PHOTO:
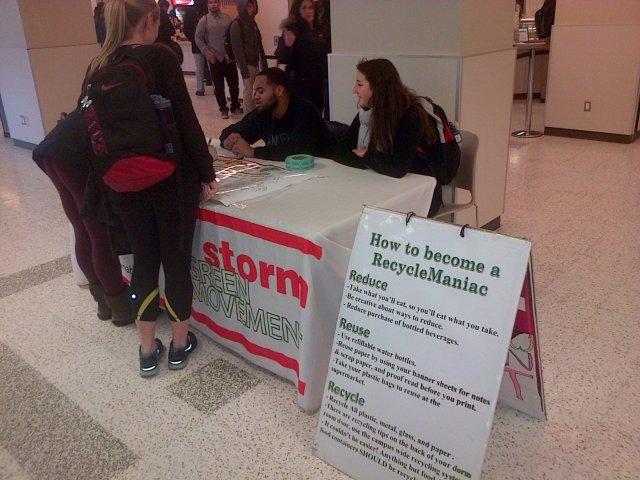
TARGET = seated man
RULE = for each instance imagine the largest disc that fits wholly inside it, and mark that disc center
(287, 123)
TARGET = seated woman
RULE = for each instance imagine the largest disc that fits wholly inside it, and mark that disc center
(392, 133)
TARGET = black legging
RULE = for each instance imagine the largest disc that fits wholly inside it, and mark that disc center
(151, 219)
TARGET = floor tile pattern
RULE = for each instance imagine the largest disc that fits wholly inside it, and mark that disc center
(213, 385)
(48, 434)
(34, 276)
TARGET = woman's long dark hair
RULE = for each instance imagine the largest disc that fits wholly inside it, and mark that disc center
(294, 13)
(390, 99)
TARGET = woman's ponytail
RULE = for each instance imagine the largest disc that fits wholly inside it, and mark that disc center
(121, 17)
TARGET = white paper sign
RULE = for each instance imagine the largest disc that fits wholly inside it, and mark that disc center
(419, 350)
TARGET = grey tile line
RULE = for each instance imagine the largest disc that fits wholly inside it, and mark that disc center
(48, 434)
(30, 277)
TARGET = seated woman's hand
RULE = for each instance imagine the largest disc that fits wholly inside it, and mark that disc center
(359, 151)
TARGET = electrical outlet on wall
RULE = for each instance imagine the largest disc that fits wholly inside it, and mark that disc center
(587, 105)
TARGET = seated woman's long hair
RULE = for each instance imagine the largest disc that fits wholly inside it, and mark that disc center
(389, 101)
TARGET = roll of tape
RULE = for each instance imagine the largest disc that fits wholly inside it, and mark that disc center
(299, 161)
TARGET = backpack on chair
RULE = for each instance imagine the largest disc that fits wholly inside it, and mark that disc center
(133, 142)
(448, 150)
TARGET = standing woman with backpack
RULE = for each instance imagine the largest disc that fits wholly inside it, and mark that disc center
(160, 220)
(392, 133)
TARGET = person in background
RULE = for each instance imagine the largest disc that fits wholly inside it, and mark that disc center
(160, 220)
(210, 40)
(392, 134)
(545, 18)
(175, 18)
(98, 21)
(286, 123)
(192, 15)
(303, 47)
(62, 155)
(166, 30)
(324, 12)
(248, 51)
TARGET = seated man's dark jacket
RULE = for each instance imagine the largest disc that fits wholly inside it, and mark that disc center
(300, 130)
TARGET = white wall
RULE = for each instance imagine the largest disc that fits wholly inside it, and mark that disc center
(270, 14)
(57, 23)
(44, 51)
(597, 12)
(58, 73)
(596, 63)
(425, 27)
(19, 97)
(487, 26)
(11, 31)
(595, 56)
(485, 109)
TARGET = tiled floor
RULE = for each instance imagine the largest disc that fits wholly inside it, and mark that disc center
(73, 406)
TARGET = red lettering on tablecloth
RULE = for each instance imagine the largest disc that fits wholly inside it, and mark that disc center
(247, 269)
(264, 233)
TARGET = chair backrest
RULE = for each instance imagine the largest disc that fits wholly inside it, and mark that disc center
(466, 175)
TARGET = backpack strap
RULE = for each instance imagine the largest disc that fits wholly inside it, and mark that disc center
(133, 60)
(428, 107)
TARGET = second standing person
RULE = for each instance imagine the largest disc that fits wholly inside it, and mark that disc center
(246, 42)
(210, 40)
(192, 15)
(303, 47)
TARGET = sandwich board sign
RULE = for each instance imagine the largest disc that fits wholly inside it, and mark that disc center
(419, 350)
(522, 386)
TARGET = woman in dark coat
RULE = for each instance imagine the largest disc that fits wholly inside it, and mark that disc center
(303, 47)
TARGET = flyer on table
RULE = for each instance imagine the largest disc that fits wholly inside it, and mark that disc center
(419, 350)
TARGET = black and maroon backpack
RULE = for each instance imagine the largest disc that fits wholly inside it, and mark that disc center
(133, 139)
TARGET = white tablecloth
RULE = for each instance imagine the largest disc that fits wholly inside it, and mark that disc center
(268, 274)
